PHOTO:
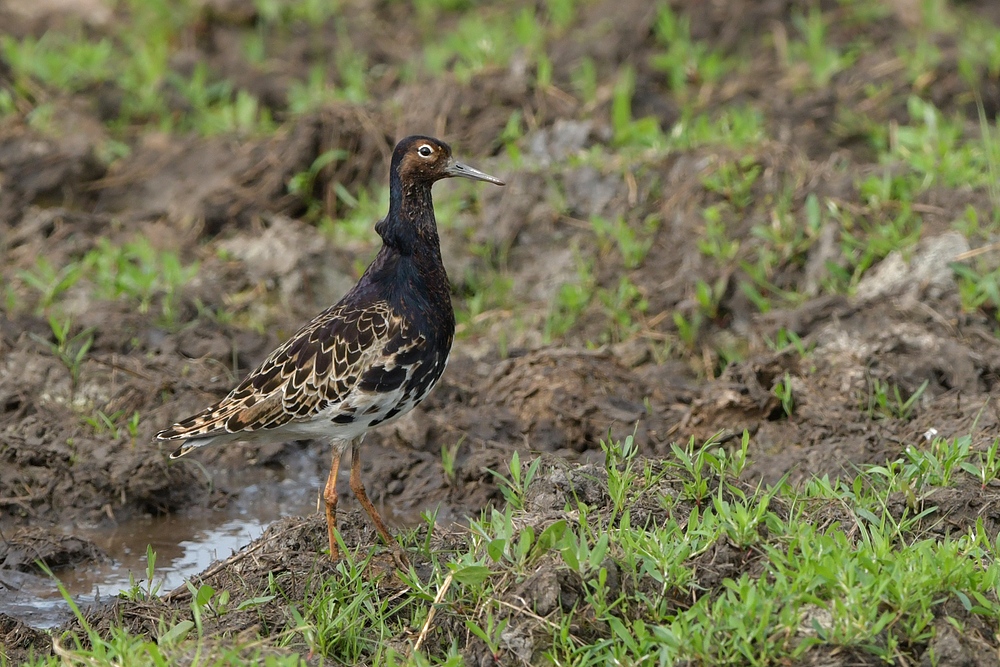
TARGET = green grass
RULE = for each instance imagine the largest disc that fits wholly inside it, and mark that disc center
(875, 581)
(886, 401)
(304, 185)
(938, 152)
(311, 94)
(490, 38)
(686, 62)
(216, 108)
(49, 282)
(286, 13)
(738, 126)
(624, 306)
(978, 288)
(734, 180)
(865, 241)
(979, 51)
(715, 242)
(479, 42)
(485, 295)
(60, 60)
(135, 271)
(141, 273)
(137, 61)
(114, 425)
(632, 244)
(629, 132)
(570, 301)
(813, 47)
(71, 350)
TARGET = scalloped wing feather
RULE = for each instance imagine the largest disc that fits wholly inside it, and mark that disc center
(342, 352)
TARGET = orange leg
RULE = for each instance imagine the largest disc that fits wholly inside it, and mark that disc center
(359, 490)
(330, 496)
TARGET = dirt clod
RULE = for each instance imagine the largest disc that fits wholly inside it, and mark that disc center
(25, 548)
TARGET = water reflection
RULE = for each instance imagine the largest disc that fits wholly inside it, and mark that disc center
(184, 544)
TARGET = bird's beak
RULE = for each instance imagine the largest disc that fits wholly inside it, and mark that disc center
(460, 170)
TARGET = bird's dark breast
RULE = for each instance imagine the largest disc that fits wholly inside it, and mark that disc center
(417, 357)
(415, 286)
(426, 376)
(421, 378)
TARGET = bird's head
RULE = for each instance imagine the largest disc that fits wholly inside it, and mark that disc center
(424, 160)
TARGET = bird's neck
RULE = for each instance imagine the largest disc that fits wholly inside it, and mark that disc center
(410, 243)
(410, 226)
(410, 258)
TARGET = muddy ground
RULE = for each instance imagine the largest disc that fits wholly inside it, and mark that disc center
(223, 202)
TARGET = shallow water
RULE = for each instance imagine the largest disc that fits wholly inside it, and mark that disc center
(184, 544)
(39, 603)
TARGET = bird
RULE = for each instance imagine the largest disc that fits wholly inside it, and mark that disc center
(365, 361)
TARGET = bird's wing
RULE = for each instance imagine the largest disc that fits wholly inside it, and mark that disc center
(342, 350)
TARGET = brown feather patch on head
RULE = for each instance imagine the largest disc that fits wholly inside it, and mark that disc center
(425, 160)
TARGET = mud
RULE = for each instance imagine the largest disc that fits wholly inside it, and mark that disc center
(224, 202)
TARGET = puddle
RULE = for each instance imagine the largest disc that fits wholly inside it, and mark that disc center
(38, 602)
(184, 544)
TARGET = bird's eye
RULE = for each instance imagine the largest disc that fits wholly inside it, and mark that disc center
(425, 151)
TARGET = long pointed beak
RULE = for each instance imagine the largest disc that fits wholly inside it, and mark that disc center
(465, 171)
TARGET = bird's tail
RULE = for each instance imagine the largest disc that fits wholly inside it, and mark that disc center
(188, 444)
(186, 448)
